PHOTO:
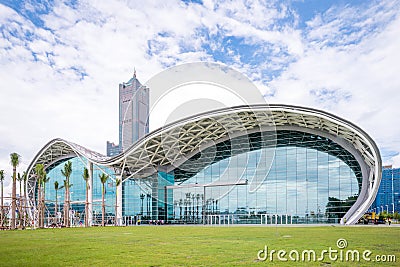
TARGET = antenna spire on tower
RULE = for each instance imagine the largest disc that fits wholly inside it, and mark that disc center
(134, 72)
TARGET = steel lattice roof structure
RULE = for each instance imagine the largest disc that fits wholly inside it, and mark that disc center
(172, 145)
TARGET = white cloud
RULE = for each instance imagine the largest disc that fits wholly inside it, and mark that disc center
(356, 80)
(62, 80)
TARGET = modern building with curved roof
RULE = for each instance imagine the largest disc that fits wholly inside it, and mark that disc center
(268, 164)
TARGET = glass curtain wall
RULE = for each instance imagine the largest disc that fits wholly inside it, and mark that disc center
(310, 180)
(78, 192)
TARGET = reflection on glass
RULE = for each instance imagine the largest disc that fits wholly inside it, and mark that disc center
(310, 180)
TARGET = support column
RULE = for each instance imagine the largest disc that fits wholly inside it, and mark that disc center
(90, 195)
(119, 202)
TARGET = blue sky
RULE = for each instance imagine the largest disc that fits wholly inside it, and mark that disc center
(61, 61)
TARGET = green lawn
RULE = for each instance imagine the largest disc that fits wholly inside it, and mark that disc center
(188, 245)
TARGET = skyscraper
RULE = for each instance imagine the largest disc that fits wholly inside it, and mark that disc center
(133, 114)
(388, 197)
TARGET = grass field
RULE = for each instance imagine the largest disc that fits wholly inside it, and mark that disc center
(188, 245)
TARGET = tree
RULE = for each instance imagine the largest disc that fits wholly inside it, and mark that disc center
(56, 187)
(117, 183)
(24, 214)
(40, 176)
(396, 216)
(103, 179)
(383, 215)
(15, 158)
(2, 197)
(19, 179)
(45, 179)
(66, 200)
(66, 172)
(86, 177)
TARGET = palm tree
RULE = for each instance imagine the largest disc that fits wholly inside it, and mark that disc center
(40, 173)
(103, 179)
(24, 179)
(117, 183)
(44, 181)
(19, 179)
(66, 172)
(86, 177)
(2, 188)
(14, 163)
(59, 188)
(65, 209)
(56, 187)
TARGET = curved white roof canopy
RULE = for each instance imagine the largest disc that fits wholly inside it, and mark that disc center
(178, 141)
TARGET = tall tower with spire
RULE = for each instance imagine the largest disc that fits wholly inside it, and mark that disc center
(133, 114)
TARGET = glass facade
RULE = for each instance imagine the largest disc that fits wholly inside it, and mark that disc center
(310, 180)
(78, 191)
(302, 178)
